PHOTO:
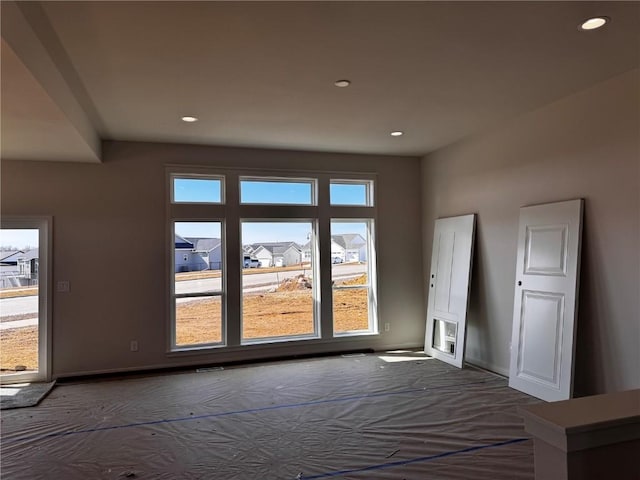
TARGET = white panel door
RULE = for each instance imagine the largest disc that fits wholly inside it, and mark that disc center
(545, 303)
(449, 288)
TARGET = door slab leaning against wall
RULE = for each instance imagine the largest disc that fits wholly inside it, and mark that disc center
(449, 281)
(546, 299)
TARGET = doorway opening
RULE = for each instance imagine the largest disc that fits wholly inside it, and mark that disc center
(24, 299)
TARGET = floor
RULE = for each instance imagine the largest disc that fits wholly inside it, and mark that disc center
(384, 416)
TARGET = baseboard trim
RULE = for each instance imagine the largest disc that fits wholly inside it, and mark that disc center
(503, 372)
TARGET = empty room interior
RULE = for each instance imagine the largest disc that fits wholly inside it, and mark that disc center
(308, 240)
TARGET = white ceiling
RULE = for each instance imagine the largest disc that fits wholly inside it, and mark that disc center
(261, 74)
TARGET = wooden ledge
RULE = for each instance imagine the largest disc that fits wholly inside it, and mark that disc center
(587, 422)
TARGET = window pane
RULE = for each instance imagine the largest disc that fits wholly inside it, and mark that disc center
(350, 276)
(19, 258)
(198, 320)
(350, 193)
(197, 190)
(350, 310)
(198, 254)
(277, 294)
(198, 257)
(349, 242)
(276, 192)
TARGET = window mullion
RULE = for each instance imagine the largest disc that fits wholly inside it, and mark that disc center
(324, 259)
(364, 286)
(233, 287)
(199, 294)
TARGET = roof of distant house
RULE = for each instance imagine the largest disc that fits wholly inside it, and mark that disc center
(6, 256)
(181, 242)
(202, 244)
(29, 255)
(349, 240)
(276, 248)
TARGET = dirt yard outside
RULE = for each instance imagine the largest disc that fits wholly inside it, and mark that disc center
(19, 347)
(287, 311)
(18, 292)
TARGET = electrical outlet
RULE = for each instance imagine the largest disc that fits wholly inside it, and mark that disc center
(63, 286)
(387, 327)
(134, 345)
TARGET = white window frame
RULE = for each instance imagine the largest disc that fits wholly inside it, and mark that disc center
(280, 179)
(213, 293)
(231, 212)
(369, 190)
(194, 212)
(45, 311)
(371, 285)
(315, 291)
(196, 176)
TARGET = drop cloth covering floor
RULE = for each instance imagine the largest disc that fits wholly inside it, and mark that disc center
(356, 417)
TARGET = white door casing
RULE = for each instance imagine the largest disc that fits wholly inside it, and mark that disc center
(545, 301)
(449, 281)
(44, 227)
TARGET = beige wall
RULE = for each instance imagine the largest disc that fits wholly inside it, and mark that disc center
(109, 235)
(586, 145)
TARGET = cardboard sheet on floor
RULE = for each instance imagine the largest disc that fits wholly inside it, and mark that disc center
(20, 395)
(389, 416)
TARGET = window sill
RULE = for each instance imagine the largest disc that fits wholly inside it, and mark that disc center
(270, 345)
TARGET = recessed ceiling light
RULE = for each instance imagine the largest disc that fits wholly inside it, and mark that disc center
(342, 83)
(593, 23)
(189, 119)
(396, 133)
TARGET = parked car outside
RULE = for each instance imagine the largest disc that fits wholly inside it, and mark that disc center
(251, 262)
(336, 259)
